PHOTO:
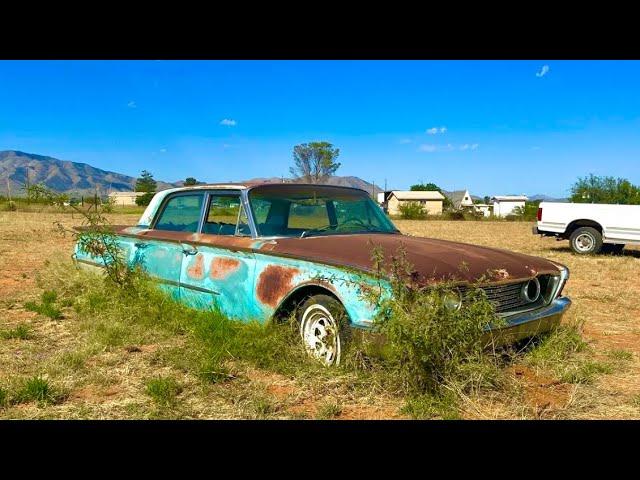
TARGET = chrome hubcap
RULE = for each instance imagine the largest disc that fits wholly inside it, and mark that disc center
(319, 333)
(584, 242)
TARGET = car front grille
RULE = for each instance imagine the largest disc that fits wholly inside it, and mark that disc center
(508, 297)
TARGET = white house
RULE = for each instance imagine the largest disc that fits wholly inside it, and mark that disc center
(124, 199)
(460, 199)
(504, 205)
(430, 200)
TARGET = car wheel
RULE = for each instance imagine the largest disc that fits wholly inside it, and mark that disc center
(323, 328)
(612, 248)
(586, 240)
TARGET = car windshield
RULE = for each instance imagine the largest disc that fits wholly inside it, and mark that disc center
(309, 210)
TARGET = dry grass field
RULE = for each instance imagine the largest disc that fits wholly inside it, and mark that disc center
(118, 382)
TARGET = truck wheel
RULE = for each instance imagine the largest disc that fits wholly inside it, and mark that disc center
(323, 328)
(586, 240)
(612, 248)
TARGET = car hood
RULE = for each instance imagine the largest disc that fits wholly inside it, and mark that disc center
(432, 260)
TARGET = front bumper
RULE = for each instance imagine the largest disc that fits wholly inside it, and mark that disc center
(529, 324)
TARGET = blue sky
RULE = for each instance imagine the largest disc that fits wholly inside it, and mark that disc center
(495, 127)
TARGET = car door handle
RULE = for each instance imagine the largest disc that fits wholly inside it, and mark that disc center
(189, 250)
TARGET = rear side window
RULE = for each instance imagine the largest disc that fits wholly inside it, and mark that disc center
(181, 214)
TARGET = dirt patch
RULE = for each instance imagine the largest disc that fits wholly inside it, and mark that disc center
(544, 394)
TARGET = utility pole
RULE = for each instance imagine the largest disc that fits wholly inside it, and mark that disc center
(8, 190)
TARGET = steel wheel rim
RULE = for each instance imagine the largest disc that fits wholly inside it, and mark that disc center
(320, 334)
(585, 242)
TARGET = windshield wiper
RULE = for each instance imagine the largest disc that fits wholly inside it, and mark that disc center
(316, 230)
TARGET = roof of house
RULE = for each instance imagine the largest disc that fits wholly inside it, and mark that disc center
(417, 195)
(125, 194)
(457, 197)
(510, 198)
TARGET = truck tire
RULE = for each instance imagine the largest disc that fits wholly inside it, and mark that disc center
(586, 241)
(324, 328)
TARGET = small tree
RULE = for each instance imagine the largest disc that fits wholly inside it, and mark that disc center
(594, 189)
(190, 181)
(146, 183)
(314, 162)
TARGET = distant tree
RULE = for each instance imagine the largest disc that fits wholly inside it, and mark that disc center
(594, 189)
(314, 162)
(190, 181)
(425, 187)
(144, 200)
(487, 199)
(431, 187)
(146, 183)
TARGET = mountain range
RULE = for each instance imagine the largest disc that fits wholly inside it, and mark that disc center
(61, 175)
(82, 179)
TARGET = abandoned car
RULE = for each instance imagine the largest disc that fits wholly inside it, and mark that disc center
(255, 251)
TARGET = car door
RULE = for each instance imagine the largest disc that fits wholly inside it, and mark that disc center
(218, 271)
(162, 252)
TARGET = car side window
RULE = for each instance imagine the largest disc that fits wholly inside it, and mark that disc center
(225, 216)
(181, 214)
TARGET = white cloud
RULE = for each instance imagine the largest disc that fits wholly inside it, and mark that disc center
(436, 130)
(404, 141)
(427, 147)
(132, 104)
(163, 150)
(226, 145)
(543, 71)
(228, 122)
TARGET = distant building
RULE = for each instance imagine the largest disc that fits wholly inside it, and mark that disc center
(483, 208)
(430, 200)
(460, 199)
(124, 199)
(505, 204)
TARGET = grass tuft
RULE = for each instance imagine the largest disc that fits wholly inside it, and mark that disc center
(328, 410)
(20, 332)
(47, 306)
(163, 390)
(38, 389)
(4, 398)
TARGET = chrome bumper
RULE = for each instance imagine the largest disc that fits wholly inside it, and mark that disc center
(529, 324)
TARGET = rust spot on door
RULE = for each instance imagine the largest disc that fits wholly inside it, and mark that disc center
(223, 267)
(274, 283)
(196, 267)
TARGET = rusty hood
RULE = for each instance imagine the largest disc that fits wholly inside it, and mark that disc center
(432, 259)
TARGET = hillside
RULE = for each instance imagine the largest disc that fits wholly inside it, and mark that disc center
(61, 175)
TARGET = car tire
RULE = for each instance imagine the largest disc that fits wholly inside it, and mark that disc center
(586, 241)
(324, 328)
(612, 248)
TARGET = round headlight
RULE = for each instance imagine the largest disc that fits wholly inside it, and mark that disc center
(531, 290)
(452, 300)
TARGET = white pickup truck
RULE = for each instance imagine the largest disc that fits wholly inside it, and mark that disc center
(590, 228)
